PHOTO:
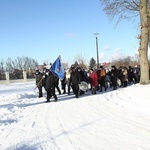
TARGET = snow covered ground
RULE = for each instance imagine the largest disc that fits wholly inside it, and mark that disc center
(112, 120)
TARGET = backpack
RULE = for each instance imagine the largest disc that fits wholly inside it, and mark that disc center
(102, 73)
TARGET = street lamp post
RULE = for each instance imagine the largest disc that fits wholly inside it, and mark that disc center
(96, 35)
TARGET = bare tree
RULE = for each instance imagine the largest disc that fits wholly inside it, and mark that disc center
(127, 9)
(24, 63)
(10, 65)
(144, 40)
(126, 61)
(2, 66)
(80, 59)
(21, 63)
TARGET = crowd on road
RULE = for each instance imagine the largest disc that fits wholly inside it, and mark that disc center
(98, 80)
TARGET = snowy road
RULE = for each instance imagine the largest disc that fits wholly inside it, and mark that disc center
(18, 88)
(116, 120)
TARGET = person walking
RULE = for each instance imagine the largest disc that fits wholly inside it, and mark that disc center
(114, 74)
(136, 71)
(63, 84)
(124, 76)
(93, 80)
(102, 76)
(130, 75)
(68, 80)
(49, 85)
(39, 82)
(75, 80)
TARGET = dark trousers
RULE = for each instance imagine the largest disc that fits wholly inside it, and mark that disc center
(58, 89)
(136, 78)
(69, 89)
(64, 87)
(114, 83)
(40, 91)
(93, 90)
(51, 93)
(75, 88)
(102, 84)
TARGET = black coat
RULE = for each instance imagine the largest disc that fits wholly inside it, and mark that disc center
(39, 80)
(115, 75)
(49, 82)
(75, 77)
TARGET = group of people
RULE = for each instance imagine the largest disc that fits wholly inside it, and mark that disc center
(99, 79)
(45, 78)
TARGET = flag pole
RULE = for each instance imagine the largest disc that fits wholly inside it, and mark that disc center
(55, 61)
(39, 82)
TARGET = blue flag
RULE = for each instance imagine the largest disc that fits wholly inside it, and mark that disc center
(58, 69)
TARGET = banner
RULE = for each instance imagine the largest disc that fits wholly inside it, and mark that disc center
(57, 68)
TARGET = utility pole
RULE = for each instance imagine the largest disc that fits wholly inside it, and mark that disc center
(96, 36)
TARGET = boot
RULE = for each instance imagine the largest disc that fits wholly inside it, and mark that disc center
(55, 98)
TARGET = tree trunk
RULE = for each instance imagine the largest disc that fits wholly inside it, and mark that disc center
(143, 50)
(149, 24)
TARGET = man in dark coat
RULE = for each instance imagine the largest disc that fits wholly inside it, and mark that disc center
(39, 82)
(75, 80)
(130, 74)
(136, 71)
(114, 74)
(49, 85)
(83, 77)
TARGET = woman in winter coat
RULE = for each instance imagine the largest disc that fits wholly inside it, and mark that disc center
(49, 85)
(93, 79)
(124, 75)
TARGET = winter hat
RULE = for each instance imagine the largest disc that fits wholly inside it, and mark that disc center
(113, 66)
(72, 67)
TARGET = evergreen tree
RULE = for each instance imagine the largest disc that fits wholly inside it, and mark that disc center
(92, 63)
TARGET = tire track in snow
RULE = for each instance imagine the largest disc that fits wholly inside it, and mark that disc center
(59, 130)
(122, 116)
(77, 122)
(12, 131)
(45, 130)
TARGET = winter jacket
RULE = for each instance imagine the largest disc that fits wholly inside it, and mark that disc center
(39, 79)
(49, 82)
(93, 79)
(75, 77)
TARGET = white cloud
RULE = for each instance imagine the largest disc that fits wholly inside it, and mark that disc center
(106, 48)
(71, 35)
(117, 54)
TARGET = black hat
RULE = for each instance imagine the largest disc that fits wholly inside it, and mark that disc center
(72, 67)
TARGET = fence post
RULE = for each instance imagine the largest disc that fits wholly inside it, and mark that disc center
(7, 77)
(24, 75)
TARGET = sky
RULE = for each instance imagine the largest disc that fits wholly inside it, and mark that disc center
(112, 120)
(45, 29)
